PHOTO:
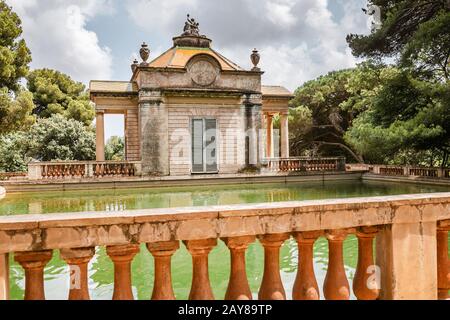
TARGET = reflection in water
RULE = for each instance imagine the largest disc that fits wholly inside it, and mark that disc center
(120, 200)
(101, 267)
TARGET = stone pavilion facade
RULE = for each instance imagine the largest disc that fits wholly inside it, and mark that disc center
(193, 111)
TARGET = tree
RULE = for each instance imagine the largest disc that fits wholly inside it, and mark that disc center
(408, 114)
(58, 138)
(13, 150)
(415, 31)
(14, 53)
(56, 93)
(16, 113)
(323, 109)
(114, 149)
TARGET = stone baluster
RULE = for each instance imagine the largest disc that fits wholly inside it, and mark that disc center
(122, 256)
(443, 268)
(4, 276)
(336, 286)
(162, 285)
(34, 263)
(78, 260)
(201, 287)
(271, 286)
(238, 287)
(365, 284)
(305, 286)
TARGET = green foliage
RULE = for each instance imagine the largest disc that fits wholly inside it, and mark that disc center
(407, 114)
(58, 138)
(323, 109)
(56, 93)
(13, 149)
(415, 31)
(114, 149)
(16, 114)
(14, 53)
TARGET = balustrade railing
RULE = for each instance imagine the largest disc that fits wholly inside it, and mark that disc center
(12, 175)
(409, 264)
(391, 170)
(304, 164)
(88, 169)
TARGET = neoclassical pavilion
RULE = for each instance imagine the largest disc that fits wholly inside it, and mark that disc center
(192, 111)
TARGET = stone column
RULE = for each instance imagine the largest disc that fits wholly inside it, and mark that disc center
(238, 287)
(443, 264)
(4, 276)
(336, 286)
(365, 284)
(154, 135)
(162, 253)
(201, 287)
(122, 256)
(284, 135)
(252, 113)
(78, 260)
(406, 256)
(269, 135)
(100, 135)
(305, 286)
(34, 263)
(272, 286)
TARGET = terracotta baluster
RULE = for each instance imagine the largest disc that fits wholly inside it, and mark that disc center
(271, 286)
(305, 286)
(365, 284)
(238, 287)
(162, 285)
(336, 285)
(201, 287)
(34, 263)
(122, 256)
(78, 260)
(443, 264)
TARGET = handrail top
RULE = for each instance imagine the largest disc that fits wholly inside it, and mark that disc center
(80, 219)
(39, 163)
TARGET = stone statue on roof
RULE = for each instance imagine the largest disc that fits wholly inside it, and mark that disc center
(191, 27)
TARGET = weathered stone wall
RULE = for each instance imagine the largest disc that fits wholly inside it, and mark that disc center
(162, 79)
(153, 123)
(133, 144)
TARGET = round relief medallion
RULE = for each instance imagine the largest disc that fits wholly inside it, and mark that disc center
(203, 72)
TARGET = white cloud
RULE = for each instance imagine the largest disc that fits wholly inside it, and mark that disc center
(298, 40)
(55, 31)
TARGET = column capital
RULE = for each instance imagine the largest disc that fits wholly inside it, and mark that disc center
(77, 255)
(239, 243)
(167, 248)
(307, 236)
(100, 111)
(123, 252)
(273, 240)
(337, 235)
(33, 259)
(200, 247)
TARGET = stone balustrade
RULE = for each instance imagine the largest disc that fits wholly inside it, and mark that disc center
(82, 169)
(304, 164)
(401, 171)
(410, 260)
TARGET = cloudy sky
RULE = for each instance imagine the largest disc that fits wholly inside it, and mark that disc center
(97, 39)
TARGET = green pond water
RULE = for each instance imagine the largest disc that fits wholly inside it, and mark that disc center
(101, 268)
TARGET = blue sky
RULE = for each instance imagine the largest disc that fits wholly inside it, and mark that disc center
(97, 39)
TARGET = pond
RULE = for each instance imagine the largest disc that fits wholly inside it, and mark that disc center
(101, 268)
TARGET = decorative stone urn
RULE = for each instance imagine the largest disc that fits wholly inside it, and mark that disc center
(255, 57)
(134, 65)
(144, 52)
